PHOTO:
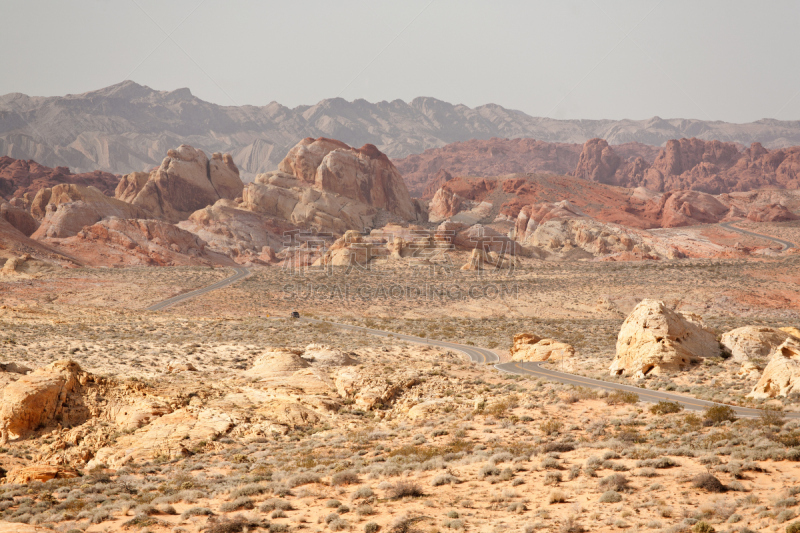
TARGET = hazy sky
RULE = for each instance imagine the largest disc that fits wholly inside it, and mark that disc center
(719, 60)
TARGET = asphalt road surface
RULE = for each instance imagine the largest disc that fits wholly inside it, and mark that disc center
(239, 273)
(786, 244)
(486, 356)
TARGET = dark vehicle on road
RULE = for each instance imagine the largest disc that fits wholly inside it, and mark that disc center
(295, 314)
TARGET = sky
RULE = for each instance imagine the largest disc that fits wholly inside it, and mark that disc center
(712, 60)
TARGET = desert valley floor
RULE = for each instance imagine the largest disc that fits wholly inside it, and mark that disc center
(222, 414)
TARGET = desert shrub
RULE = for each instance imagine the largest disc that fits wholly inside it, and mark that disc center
(708, 482)
(552, 478)
(719, 413)
(559, 447)
(303, 479)
(785, 515)
(196, 511)
(647, 472)
(445, 479)
(571, 525)
(364, 510)
(794, 527)
(338, 525)
(405, 489)
(278, 528)
(550, 427)
(249, 490)
(610, 496)
(371, 527)
(237, 504)
(617, 482)
(618, 397)
(452, 514)
(333, 504)
(551, 462)
(278, 513)
(488, 470)
(167, 509)
(454, 524)
(364, 491)
(665, 407)
(346, 477)
(556, 496)
(702, 527)
(275, 503)
(770, 417)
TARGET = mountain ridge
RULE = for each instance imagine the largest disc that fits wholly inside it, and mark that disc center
(127, 127)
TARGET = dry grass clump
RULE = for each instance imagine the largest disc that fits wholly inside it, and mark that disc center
(621, 397)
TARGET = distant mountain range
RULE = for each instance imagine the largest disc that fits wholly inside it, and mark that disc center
(129, 127)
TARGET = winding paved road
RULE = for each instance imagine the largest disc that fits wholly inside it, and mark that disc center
(239, 273)
(786, 244)
(486, 356)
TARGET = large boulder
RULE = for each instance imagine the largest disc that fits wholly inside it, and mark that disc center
(529, 347)
(752, 343)
(781, 377)
(186, 181)
(655, 338)
(46, 395)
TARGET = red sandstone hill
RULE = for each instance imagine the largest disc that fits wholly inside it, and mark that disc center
(713, 167)
(424, 173)
(18, 177)
(686, 164)
(635, 208)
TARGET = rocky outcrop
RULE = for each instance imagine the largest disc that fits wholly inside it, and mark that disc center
(655, 339)
(27, 474)
(20, 180)
(243, 235)
(172, 435)
(445, 204)
(529, 347)
(46, 395)
(19, 218)
(130, 242)
(66, 209)
(186, 181)
(752, 343)
(369, 391)
(365, 174)
(781, 376)
(771, 213)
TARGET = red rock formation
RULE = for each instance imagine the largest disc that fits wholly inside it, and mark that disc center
(119, 242)
(21, 179)
(19, 218)
(771, 213)
(713, 167)
(497, 157)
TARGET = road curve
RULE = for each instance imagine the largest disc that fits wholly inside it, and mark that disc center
(786, 244)
(486, 356)
(239, 273)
